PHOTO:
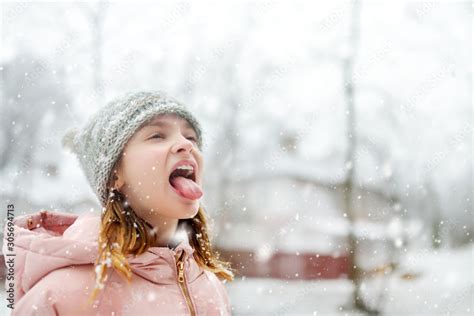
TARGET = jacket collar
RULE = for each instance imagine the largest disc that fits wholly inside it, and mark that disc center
(158, 264)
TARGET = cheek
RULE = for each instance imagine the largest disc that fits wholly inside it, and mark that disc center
(144, 168)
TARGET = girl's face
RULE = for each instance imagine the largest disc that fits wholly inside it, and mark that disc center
(148, 160)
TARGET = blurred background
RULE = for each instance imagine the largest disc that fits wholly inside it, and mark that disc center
(338, 136)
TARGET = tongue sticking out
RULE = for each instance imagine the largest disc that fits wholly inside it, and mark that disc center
(186, 187)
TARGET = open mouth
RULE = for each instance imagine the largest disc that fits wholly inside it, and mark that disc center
(183, 171)
(183, 181)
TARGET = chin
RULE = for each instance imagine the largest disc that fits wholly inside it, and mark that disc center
(190, 213)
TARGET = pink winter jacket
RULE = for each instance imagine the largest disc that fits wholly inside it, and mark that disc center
(54, 274)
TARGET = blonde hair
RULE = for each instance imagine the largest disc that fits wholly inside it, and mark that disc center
(122, 232)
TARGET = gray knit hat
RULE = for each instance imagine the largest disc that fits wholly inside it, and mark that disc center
(100, 142)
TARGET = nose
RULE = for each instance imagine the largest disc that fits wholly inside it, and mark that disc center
(182, 144)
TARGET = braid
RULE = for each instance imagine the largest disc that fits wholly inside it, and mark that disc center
(122, 232)
(205, 255)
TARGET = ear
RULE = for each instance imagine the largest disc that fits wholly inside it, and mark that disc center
(117, 179)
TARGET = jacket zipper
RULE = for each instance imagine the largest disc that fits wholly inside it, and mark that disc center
(182, 284)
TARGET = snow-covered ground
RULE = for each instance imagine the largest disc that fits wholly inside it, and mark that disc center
(444, 286)
(253, 296)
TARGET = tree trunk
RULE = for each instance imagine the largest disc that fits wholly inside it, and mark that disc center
(349, 93)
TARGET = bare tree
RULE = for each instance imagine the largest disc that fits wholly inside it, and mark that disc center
(96, 14)
(30, 93)
(351, 137)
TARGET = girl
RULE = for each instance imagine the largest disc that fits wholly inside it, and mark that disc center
(149, 251)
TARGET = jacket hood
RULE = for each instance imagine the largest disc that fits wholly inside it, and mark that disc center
(46, 241)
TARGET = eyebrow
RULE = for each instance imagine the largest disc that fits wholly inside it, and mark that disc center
(165, 123)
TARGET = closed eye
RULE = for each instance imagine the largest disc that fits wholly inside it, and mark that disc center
(192, 139)
(156, 136)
